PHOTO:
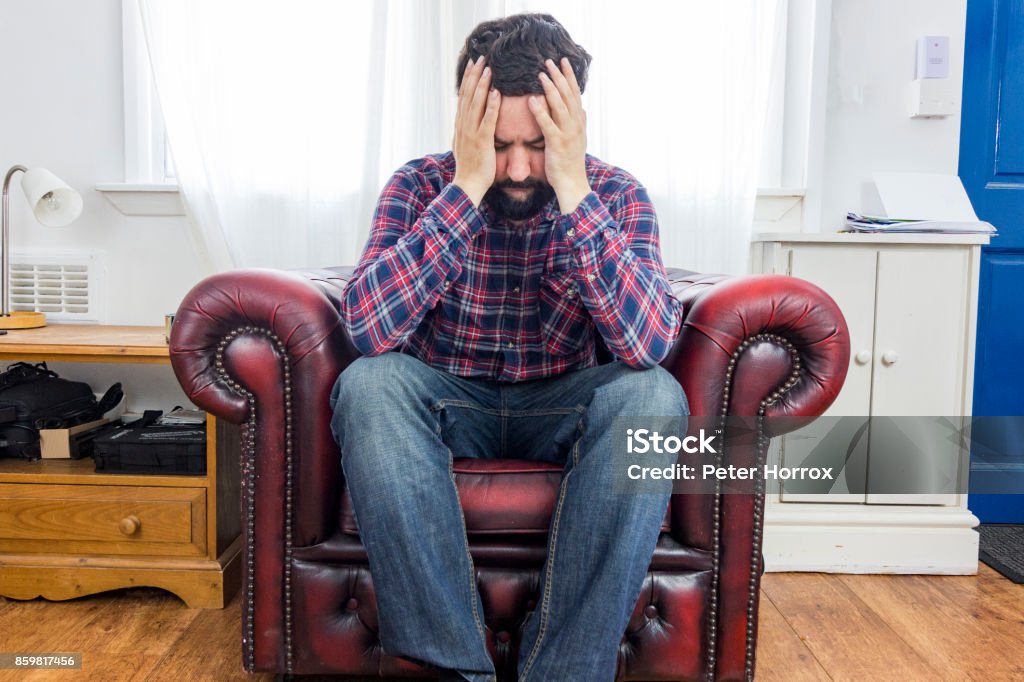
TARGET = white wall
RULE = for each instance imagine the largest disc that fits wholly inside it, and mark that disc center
(60, 108)
(868, 127)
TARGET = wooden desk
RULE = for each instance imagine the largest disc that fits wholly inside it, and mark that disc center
(67, 531)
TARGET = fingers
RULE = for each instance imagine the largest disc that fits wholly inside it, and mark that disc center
(470, 79)
(570, 77)
(560, 81)
(539, 108)
(490, 120)
(556, 103)
(479, 101)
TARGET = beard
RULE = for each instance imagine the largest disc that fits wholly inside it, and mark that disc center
(504, 206)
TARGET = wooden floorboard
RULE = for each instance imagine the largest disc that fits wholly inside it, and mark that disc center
(949, 619)
(782, 655)
(122, 635)
(847, 637)
(812, 627)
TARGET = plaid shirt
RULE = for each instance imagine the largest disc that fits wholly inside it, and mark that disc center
(474, 296)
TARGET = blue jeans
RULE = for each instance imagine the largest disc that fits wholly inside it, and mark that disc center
(399, 423)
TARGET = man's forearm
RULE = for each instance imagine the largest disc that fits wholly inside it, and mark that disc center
(622, 283)
(405, 269)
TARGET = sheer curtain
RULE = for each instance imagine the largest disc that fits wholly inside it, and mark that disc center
(284, 120)
(677, 95)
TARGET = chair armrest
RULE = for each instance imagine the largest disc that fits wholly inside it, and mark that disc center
(299, 308)
(770, 345)
(263, 348)
(763, 342)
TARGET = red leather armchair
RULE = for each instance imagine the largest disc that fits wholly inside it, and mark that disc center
(262, 348)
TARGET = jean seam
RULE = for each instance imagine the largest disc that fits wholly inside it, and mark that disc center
(441, 404)
(549, 579)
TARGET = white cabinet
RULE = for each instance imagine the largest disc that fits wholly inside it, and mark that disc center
(910, 304)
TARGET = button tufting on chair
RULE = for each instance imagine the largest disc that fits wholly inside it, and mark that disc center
(262, 349)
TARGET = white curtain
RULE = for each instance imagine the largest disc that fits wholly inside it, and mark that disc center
(285, 120)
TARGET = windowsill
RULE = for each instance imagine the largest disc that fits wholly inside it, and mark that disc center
(139, 199)
(155, 199)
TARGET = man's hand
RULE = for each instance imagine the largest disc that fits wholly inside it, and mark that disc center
(561, 118)
(475, 119)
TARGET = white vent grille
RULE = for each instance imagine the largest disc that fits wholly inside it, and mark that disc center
(65, 286)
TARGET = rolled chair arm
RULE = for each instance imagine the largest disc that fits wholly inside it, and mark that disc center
(760, 345)
(262, 348)
(298, 308)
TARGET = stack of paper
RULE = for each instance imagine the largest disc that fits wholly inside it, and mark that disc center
(179, 416)
(875, 224)
(938, 203)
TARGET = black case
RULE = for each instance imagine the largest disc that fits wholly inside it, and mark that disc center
(151, 449)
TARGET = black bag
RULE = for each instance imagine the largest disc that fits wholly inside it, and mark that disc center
(33, 397)
(144, 447)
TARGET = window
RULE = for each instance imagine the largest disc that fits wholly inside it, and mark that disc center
(147, 157)
(790, 122)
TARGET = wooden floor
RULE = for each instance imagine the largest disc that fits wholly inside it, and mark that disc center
(813, 627)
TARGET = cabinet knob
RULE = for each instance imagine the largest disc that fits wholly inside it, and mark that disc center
(863, 357)
(890, 357)
(130, 525)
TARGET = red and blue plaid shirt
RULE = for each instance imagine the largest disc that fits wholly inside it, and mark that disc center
(475, 296)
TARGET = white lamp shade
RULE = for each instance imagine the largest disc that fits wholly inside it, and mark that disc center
(53, 202)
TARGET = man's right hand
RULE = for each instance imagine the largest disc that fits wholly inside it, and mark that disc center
(475, 119)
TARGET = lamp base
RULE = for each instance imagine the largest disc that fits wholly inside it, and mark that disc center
(22, 319)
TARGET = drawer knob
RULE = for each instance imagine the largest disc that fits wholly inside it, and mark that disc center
(863, 357)
(130, 525)
(890, 357)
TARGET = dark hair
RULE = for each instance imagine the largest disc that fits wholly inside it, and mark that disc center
(515, 48)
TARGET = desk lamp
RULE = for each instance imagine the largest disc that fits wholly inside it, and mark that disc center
(54, 204)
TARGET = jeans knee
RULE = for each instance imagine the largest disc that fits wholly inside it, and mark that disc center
(369, 388)
(371, 376)
(652, 391)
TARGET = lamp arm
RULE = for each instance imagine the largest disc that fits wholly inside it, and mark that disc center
(5, 257)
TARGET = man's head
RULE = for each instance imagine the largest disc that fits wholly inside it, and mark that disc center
(515, 48)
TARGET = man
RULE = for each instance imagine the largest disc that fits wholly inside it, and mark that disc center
(490, 276)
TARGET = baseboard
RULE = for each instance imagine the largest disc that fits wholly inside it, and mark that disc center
(943, 543)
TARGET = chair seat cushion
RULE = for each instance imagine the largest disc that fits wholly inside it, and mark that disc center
(503, 497)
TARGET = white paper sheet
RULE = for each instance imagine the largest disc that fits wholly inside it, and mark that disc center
(924, 196)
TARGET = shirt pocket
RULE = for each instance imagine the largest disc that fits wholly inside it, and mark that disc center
(565, 323)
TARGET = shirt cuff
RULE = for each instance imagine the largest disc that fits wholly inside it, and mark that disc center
(453, 213)
(584, 227)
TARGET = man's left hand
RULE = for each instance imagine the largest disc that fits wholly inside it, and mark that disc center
(561, 118)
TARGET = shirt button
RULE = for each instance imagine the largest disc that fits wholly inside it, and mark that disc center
(569, 293)
(570, 233)
(510, 345)
(515, 290)
(591, 277)
(447, 283)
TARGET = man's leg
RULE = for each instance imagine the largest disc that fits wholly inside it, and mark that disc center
(397, 422)
(600, 542)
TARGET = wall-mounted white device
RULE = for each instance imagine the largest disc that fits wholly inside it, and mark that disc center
(932, 94)
(933, 57)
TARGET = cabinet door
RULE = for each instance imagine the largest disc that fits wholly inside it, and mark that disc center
(847, 274)
(921, 327)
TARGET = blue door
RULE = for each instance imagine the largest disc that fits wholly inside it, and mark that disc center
(992, 170)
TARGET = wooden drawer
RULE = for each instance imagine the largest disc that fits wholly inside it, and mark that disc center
(94, 519)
